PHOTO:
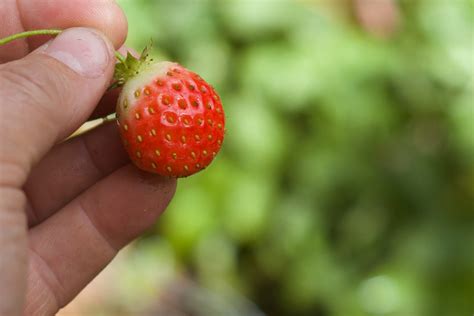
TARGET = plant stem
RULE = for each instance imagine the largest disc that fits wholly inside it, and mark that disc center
(54, 32)
(120, 57)
(13, 37)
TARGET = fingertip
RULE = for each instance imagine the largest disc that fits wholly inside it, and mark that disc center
(166, 185)
(124, 50)
(154, 185)
(116, 25)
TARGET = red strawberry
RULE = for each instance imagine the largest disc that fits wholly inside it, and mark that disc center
(171, 120)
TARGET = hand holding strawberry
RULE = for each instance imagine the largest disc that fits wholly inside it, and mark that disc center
(171, 122)
(66, 207)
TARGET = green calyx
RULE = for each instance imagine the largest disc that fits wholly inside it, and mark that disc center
(130, 66)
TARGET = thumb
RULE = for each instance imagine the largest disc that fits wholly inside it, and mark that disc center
(48, 94)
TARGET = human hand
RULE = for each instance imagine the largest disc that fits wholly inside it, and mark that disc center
(65, 208)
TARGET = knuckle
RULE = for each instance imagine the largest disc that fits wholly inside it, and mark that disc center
(14, 172)
(13, 199)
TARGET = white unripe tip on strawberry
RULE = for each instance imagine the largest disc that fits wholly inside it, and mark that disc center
(134, 84)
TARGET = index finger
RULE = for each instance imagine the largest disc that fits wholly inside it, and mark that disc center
(23, 15)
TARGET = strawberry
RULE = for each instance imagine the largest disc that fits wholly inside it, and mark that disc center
(171, 121)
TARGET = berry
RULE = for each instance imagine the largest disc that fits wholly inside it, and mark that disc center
(171, 121)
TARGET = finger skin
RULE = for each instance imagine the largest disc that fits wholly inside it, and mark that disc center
(23, 15)
(75, 244)
(72, 167)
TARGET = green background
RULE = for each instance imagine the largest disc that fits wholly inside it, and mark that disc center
(346, 182)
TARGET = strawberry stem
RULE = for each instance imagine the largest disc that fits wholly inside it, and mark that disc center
(122, 72)
(13, 37)
(52, 32)
(120, 58)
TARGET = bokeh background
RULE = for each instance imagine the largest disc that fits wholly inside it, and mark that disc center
(345, 185)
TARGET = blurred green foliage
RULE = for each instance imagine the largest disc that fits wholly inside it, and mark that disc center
(346, 181)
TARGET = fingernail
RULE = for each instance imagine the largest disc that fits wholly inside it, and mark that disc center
(83, 50)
